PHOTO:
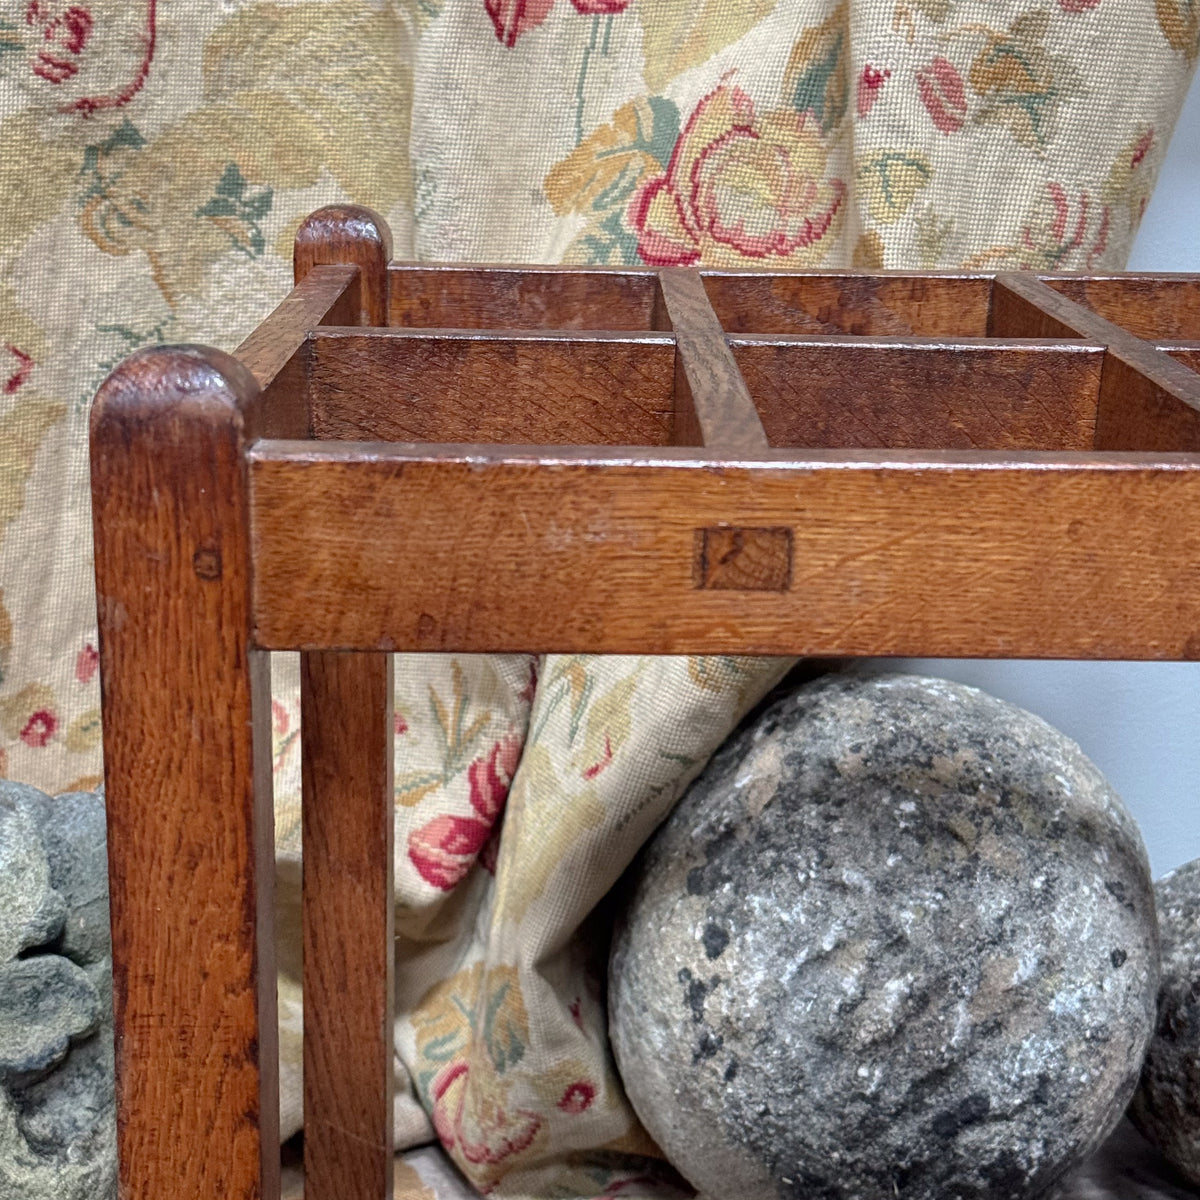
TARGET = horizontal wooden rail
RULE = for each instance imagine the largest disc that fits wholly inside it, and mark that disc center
(276, 353)
(453, 548)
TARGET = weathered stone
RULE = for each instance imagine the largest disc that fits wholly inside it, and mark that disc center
(1166, 1107)
(74, 835)
(897, 940)
(32, 911)
(45, 1001)
(57, 1128)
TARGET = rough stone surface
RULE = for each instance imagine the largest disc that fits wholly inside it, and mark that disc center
(57, 1128)
(1166, 1107)
(898, 939)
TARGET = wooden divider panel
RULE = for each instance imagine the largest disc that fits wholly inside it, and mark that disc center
(979, 394)
(1148, 306)
(409, 385)
(713, 406)
(1148, 401)
(520, 297)
(897, 304)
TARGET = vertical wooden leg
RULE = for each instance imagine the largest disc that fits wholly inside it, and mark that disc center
(186, 747)
(346, 723)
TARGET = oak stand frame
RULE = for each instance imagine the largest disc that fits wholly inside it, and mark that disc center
(820, 463)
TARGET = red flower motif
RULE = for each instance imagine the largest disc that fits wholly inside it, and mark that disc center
(86, 662)
(21, 374)
(39, 729)
(280, 721)
(484, 1137)
(512, 18)
(739, 188)
(445, 849)
(870, 83)
(399, 724)
(603, 761)
(578, 1097)
(64, 37)
(943, 94)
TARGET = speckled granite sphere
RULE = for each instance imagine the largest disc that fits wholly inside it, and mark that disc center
(57, 1117)
(1166, 1107)
(897, 940)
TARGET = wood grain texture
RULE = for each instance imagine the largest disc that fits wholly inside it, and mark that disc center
(713, 406)
(1148, 400)
(406, 385)
(277, 352)
(1187, 353)
(472, 297)
(897, 304)
(346, 723)
(982, 555)
(187, 769)
(1149, 306)
(349, 234)
(940, 395)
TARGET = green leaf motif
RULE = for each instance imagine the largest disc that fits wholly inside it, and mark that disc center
(815, 79)
(238, 209)
(890, 179)
(503, 1033)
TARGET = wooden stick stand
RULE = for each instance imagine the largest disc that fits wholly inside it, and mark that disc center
(406, 457)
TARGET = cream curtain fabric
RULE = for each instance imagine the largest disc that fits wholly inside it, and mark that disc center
(155, 160)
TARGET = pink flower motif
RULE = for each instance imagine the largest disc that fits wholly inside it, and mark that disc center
(1064, 232)
(739, 189)
(444, 849)
(39, 729)
(578, 1097)
(870, 83)
(943, 94)
(280, 721)
(512, 18)
(64, 37)
(1077, 6)
(399, 725)
(86, 662)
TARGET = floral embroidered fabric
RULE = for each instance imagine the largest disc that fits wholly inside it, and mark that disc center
(155, 161)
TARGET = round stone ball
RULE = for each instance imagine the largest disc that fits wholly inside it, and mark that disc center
(1166, 1107)
(897, 940)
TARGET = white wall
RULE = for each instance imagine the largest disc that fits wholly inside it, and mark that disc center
(1139, 722)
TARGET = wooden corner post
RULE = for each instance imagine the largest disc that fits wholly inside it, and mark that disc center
(187, 770)
(346, 732)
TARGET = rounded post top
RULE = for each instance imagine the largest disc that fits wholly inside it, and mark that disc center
(348, 233)
(177, 383)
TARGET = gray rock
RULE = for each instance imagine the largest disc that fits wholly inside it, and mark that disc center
(1166, 1107)
(45, 1001)
(33, 912)
(898, 939)
(57, 1126)
(74, 835)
